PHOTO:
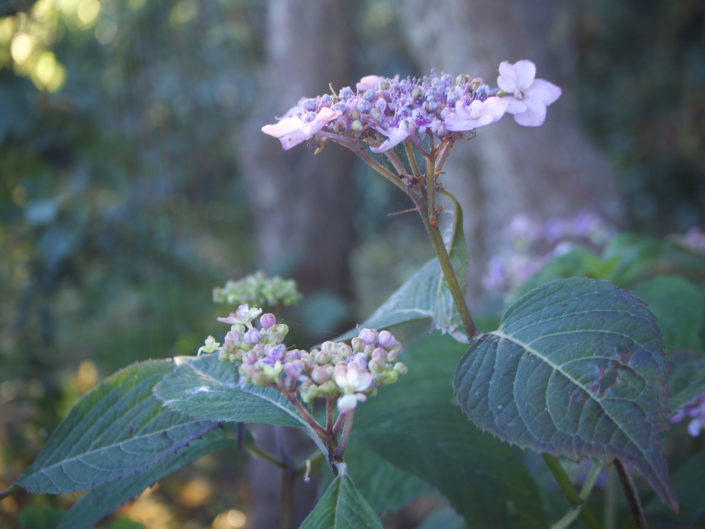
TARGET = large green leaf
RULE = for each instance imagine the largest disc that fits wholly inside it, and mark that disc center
(679, 307)
(576, 369)
(103, 499)
(425, 295)
(116, 430)
(686, 377)
(341, 507)
(416, 425)
(205, 388)
(443, 519)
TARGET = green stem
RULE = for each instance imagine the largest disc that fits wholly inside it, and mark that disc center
(611, 492)
(386, 173)
(264, 455)
(431, 186)
(412, 160)
(632, 495)
(569, 491)
(447, 268)
(8, 491)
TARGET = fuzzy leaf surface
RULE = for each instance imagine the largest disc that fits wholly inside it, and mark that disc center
(416, 425)
(205, 388)
(425, 295)
(103, 499)
(341, 507)
(575, 369)
(115, 430)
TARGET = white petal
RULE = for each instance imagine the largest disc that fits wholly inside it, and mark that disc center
(534, 115)
(544, 91)
(507, 79)
(526, 73)
(347, 403)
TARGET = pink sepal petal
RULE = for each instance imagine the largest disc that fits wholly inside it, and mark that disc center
(369, 82)
(533, 116)
(544, 91)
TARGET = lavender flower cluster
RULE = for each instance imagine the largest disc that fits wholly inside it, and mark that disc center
(387, 111)
(347, 373)
(694, 411)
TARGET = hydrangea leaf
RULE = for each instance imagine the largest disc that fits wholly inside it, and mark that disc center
(416, 425)
(686, 377)
(425, 295)
(575, 369)
(103, 499)
(205, 388)
(386, 487)
(444, 518)
(341, 507)
(116, 430)
(679, 307)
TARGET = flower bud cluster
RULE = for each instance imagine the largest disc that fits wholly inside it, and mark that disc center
(346, 373)
(258, 290)
(694, 412)
(387, 111)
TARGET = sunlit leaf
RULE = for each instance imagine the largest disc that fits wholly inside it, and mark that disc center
(116, 430)
(416, 425)
(576, 369)
(341, 507)
(205, 388)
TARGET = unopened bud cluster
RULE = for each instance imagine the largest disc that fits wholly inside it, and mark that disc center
(346, 373)
(258, 290)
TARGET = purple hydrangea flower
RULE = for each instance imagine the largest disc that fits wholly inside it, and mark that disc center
(384, 112)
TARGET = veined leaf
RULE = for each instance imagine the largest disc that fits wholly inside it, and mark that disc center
(576, 369)
(341, 507)
(103, 499)
(205, 388)
(416, 425)
(425, 295)
(116, 430)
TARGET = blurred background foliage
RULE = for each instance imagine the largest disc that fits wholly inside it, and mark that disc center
(121, 206)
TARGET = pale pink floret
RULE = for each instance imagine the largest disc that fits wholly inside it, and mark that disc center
(369, 82)
(529, 96)
(465, 118)
(293, 130)
(395, 136)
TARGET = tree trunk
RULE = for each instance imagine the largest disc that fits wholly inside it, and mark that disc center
(549, 171)
(302, 205)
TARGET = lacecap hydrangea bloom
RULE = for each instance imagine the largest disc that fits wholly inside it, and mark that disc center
(338, 371)
(694, 413)
(384, 112)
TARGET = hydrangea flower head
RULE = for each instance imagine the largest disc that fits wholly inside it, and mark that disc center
(529, 96)
(383, 112)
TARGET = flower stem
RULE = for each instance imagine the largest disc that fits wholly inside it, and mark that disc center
(447, 268)
(569, 492)
(264, 455)
(345, 435)
(632, 495)
(8, 491)
(412, 160)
